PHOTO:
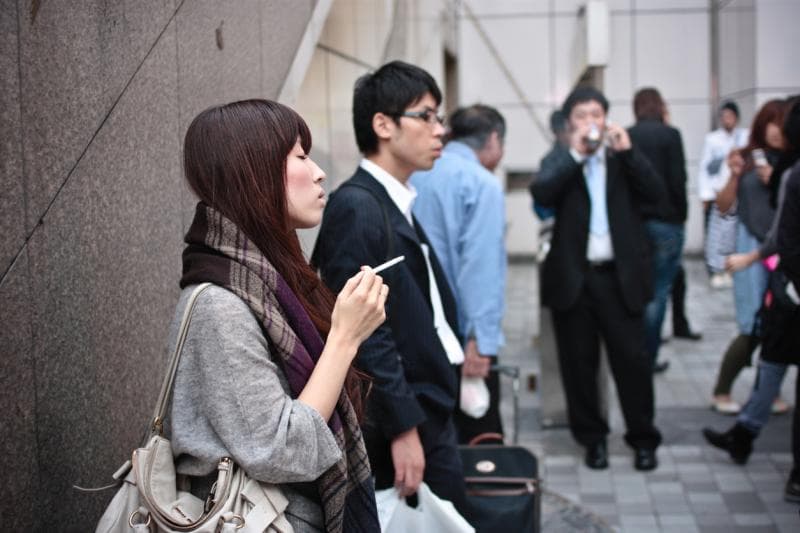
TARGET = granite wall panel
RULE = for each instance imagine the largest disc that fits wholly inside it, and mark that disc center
(283, 24)
(244, 51)
(105, 264)
(219, 55)
(18, 457)
(219, 60)
(75, 60)
(12, 213)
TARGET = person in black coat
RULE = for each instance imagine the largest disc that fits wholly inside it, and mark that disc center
(779, 321)
(597, 276)
(409, 430)
(664, 218)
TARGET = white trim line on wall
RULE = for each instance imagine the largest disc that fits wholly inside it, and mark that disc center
(297, 72)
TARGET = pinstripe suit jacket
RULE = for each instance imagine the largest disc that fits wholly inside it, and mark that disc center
(412, 375)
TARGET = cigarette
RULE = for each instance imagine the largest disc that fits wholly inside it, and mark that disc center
(389, 263)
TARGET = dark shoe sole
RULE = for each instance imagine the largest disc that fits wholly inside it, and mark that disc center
(645, 464)
(597, 466)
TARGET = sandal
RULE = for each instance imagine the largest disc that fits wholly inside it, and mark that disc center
(779, 406)
(725, 405)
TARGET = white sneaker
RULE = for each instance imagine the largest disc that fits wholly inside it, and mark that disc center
(721, 280)
(725, 407)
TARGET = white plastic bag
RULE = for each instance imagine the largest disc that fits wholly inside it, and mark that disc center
(474, 397)
(432, 515)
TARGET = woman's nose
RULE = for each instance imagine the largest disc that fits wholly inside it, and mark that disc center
(319, 174)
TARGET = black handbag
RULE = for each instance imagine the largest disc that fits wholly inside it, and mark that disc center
(503, 486)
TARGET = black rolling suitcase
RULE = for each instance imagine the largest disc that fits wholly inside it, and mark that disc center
(502, 481)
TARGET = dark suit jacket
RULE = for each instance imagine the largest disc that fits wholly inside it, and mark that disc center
(663, 147)
(560, 184)
(413, 376)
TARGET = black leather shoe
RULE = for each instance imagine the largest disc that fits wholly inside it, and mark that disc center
(644, 459)
(597, 456)
(687, 334)
(660, 367)
(737, 441)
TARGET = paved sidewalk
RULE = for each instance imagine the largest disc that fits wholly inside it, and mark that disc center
(696, 487)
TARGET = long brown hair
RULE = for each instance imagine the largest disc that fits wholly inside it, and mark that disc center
(770, 113)
(234, 160)
(648, 105)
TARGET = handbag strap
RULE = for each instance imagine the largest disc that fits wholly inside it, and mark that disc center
(160, 410)
(157, 426)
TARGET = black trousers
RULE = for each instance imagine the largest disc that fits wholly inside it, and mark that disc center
(469, 427)
(600, 314)
(679, 320)
(443, 471)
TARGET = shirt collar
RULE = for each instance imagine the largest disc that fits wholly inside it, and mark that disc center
(462, 150)
(402, 195)
(599, 155)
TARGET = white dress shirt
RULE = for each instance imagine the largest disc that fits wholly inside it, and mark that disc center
(403, 196)
(598, 247)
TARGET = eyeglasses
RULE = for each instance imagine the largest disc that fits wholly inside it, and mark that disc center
(427, 115)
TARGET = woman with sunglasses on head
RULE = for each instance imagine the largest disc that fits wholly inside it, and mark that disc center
(265, 377)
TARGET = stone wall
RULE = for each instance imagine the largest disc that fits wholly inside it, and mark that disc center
(94, 100)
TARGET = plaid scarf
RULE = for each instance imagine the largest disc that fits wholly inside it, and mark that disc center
(218, 252)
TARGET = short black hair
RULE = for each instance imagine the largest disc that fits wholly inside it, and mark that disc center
(730, 105)
(583, 94)
(558, 121)
(474, 124)
(389, 90)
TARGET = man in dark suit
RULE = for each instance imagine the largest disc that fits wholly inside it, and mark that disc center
(409, 430)
(596, 278)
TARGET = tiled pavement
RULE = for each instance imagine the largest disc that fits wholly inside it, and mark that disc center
(696, 487)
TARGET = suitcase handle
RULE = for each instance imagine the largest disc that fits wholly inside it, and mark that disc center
(483, 437)
(530, 486)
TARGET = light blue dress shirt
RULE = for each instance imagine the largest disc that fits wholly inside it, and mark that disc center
(461, 207)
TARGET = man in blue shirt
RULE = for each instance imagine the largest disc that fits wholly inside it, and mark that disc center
(460, 204)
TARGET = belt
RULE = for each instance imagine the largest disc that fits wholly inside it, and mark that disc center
(600, 266)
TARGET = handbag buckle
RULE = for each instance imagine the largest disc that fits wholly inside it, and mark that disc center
(230, 518)
(139, 514)
(211, 498)
(158, 425)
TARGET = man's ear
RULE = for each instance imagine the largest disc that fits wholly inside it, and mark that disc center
(383, 125)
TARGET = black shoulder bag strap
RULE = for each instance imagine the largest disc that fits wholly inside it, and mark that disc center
(315, 264)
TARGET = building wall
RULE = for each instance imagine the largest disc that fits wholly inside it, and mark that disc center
(359, 36)
(661, 43)
(96, 97)
(757, 38)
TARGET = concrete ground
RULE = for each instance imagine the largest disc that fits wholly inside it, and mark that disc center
(696, 487)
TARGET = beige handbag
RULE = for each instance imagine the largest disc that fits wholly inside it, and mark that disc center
(151, 499)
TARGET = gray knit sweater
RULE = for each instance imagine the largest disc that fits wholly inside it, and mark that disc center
(231, 399)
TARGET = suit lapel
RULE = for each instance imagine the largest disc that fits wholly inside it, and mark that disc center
(415, 237)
